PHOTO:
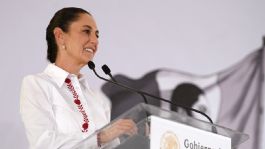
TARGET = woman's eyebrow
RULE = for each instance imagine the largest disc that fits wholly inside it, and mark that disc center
(87, 26)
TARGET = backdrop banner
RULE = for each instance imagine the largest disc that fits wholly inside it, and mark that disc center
(232, 97)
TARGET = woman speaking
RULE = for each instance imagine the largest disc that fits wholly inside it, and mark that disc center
(57, 106)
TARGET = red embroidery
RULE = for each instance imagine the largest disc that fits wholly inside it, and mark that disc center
(79, 104)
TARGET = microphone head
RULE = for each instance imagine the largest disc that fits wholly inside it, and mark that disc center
(91, 65)
(106, 69)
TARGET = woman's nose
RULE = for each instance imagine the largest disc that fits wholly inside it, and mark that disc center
(94, 39)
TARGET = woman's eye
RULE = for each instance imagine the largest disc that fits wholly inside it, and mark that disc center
(87, 31)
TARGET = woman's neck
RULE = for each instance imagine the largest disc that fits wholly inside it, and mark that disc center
(69, 67)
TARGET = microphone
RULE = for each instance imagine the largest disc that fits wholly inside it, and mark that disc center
(107, 71)
(91, 65)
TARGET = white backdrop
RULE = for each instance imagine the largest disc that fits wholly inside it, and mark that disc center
(136, 36)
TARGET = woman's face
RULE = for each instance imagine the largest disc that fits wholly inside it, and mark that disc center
(81, 40)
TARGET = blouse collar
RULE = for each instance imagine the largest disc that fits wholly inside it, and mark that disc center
(59, 75)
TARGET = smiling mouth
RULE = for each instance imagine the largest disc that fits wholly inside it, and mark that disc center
(89, 50)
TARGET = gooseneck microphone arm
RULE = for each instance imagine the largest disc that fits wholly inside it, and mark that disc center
(107, 71)
(91, 65)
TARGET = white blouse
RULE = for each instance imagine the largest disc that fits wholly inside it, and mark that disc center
(52, 120)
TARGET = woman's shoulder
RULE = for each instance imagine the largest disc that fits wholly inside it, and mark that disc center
(38, 79)
(44, 76)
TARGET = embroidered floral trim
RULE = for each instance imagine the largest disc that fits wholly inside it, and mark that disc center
(79, 104)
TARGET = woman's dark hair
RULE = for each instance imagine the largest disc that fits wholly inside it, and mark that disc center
(62, 19)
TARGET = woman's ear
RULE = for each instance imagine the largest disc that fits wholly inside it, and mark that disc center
(59, 35)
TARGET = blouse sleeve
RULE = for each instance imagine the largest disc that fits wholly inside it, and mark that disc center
(106, 104)
(39, 121)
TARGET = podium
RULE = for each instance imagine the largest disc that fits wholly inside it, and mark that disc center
(163, 129)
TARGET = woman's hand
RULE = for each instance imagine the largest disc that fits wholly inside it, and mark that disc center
(120, 127)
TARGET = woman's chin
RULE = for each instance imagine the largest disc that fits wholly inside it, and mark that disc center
(88, 59)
